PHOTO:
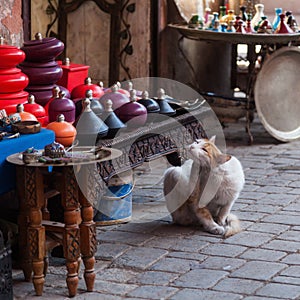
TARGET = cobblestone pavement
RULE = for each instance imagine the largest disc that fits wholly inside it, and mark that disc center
(150, 258)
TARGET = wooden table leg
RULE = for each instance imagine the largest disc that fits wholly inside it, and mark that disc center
(88, 243)
(32, 233)
(24, 261)
(71, 236)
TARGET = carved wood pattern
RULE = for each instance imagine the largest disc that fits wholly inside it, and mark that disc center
(72, 247)
(71, 189)
(30, 192)
(89, 242)
(33, 242)
(93, 239)
(142, 145)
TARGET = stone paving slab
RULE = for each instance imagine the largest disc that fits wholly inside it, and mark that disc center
(151, 258)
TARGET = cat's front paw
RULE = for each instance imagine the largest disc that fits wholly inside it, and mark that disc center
(221, 221)
(217, 230)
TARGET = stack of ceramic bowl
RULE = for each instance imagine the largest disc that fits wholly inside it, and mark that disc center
(40, 66)
(12, 80)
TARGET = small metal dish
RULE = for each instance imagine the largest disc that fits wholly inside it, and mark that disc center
(30, 158)
(26, 127)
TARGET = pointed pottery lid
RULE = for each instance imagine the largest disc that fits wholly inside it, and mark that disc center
(277, 96)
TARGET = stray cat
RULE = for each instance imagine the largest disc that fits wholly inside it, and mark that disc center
(204, 189)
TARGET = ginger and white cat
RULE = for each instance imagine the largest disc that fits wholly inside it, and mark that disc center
(204, 189)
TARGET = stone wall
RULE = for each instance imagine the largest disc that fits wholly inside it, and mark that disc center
(11, 23)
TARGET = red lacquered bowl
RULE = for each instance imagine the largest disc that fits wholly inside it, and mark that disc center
(10, 71)
(36, 109)
(10, 56)
(42, 73)
(14, 96)
(11, 83)
(79, 91)
(10, 101)
(42, 49)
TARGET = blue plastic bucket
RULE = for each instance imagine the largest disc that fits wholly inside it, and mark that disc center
(115, 206)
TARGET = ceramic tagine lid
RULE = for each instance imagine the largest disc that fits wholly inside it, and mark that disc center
(249, 28)
(42, 49)
(80, 90)
(265, 26)
(117, 98)
(283, 27)
(150, 104)
(165, 107)
(25, 116)
(62, 105)
(36, 109)
(128, 86)
(65, 132)
(124, 91)
(111, 120)
(96, 106)
(120, 89)
(132, 113)
(55, 95)
(240, 27)
(89, 127)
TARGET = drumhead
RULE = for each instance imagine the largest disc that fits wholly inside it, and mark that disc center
(277, 94)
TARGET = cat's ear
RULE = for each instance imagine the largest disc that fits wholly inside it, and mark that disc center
(223, 158)
(213, 139)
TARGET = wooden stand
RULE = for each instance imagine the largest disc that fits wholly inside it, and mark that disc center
(77, 232)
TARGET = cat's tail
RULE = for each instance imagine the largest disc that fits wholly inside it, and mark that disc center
(233, 225)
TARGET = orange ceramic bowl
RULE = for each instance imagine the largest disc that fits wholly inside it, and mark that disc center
(65, 132)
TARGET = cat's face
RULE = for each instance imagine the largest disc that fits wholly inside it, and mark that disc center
(206, 152)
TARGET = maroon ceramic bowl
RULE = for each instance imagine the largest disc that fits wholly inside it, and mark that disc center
(43, 50)
(65, 90)
(42, 93)
(133, 114)
(42, 73)
(10, 56)
(117, 99)
(63, 106)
